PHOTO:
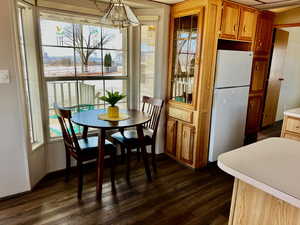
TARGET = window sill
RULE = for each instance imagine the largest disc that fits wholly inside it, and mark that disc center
(36, 146)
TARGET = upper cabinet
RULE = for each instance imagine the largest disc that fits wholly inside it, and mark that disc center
(264, 31)
(247, 24)
(185, 56)
(230, 21)
(238, 22)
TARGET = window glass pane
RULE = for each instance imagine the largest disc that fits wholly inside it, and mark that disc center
(113, 38)
(65, 94)
(88, 90)
(81, 51)
(58, 61)
(56, 33)
(88, 36)
(114, 63)
(120, 86)
(148, 43)
(88, 62)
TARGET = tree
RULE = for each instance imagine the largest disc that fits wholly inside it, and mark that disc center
(93, 40)
(107, 60)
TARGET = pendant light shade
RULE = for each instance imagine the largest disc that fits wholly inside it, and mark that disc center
(120, 15)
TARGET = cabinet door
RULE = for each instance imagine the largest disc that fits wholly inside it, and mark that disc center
(264, 34)
(230, 21)
(259, 75)
(185, 45)
(187, 143)
(171, 136)
(247, 24)
(254, 114)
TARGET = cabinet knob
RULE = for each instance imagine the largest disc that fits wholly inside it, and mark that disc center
(234, 27)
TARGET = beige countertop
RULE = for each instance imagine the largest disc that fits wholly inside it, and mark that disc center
(293, 112)
(272, 165)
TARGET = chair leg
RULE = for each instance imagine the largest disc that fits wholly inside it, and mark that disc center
(153, 158)
(138, 154)
(128, 165)
(68, 166)
(112, 171)
(80, 179)
(122, 154)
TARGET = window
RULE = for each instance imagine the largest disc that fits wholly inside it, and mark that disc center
(81, 60)
(147, 74)
(30, 74)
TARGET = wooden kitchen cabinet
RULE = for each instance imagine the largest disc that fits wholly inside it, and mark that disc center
(291, 128)
(259, 75)
(180, 140)
(187, 143)
(260, 72)
(254, 114)
(192, 59)
(230, 21)
(247, 25)
(238, 22)
(171, 136)
(264, 34)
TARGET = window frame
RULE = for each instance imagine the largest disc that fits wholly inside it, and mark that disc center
(45, 79)
(32, 67)
(147, 23)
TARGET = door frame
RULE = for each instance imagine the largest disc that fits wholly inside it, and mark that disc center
(275, 27)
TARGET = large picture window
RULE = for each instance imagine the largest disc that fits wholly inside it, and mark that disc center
(81, 60)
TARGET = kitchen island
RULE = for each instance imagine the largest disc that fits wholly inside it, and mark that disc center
(267, 182)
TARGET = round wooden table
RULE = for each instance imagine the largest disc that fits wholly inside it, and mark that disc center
(90, 119)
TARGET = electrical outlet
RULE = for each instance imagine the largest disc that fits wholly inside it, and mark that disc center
(4, 77)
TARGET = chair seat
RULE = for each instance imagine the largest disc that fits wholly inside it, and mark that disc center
(130, 138)
(90, 146)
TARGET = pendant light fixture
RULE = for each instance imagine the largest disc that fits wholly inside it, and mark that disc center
(120, 15)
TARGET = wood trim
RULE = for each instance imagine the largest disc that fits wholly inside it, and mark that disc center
(287, 25)
(206, 82)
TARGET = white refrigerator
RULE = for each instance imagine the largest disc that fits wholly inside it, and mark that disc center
(230, 102)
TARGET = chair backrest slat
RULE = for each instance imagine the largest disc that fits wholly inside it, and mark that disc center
(153, 107)
(70, 139)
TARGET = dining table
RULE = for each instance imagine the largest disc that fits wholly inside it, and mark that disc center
(90, 119)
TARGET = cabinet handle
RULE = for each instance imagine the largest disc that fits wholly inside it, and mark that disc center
(297, 127)
(244, 28)
(234, 27)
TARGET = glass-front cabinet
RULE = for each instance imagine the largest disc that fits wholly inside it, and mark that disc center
(185, 52)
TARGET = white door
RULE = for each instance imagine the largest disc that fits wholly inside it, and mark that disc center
(233, 68)
(228, 120)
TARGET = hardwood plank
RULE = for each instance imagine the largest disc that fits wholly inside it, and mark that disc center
(177, 195)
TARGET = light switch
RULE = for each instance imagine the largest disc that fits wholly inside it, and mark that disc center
(4, 77)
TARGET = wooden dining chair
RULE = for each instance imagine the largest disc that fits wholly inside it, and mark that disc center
(128, 139)
(83, 149)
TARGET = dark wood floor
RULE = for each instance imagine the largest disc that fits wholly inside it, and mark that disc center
(177, 195)
(270, 131)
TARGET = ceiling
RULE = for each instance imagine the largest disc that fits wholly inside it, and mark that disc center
(260, 4)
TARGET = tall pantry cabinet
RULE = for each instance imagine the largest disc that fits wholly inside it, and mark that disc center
(261, 47)
(193, 44)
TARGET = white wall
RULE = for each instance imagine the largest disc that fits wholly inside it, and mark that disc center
(13, 160)
(290, 88)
